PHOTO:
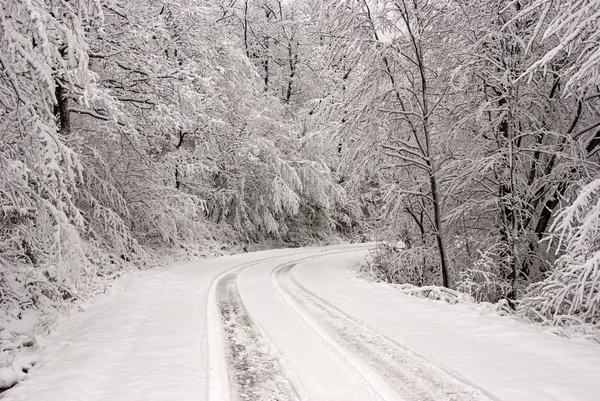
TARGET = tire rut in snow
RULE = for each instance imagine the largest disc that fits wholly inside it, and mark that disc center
(413, 377)
(254, 369)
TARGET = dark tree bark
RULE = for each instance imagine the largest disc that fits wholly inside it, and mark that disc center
(61, 109)
(177, 173)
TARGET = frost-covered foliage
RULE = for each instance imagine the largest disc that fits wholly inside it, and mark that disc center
(43, 53)
(570, 295)
(575, 23)
(486, 280)
(132, 126)
(465, 124)
(132, 123)
(416, 265)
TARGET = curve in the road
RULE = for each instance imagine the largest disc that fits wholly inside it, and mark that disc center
(224, 307)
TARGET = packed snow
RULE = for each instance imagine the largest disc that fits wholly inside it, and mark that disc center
(295, 324)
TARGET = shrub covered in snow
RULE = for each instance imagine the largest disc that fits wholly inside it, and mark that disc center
(485, 279)
(395, 263)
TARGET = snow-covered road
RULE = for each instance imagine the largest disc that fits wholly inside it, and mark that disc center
(296, 324)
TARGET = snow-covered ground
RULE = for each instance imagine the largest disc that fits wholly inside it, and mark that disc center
(296, 324)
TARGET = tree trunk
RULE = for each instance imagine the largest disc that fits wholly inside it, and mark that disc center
(437, 216)
(293, 60)
(61, 110)
(266, 67)
(437, 210)
(246, 29)
(177, 173)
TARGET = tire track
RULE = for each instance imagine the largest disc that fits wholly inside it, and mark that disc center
(243, 364)
(221, 357)
(411, 377)
(379, 384)
(255, 372)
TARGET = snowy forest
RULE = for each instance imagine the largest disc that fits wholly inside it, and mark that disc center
(462, 136)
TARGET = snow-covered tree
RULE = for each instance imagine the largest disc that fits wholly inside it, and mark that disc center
(130, 126)
(574, 26)
(571, 294)
(504, 149)
(392, 117)
(44, 58)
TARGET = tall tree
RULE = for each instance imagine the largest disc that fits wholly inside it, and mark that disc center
(396, 109)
